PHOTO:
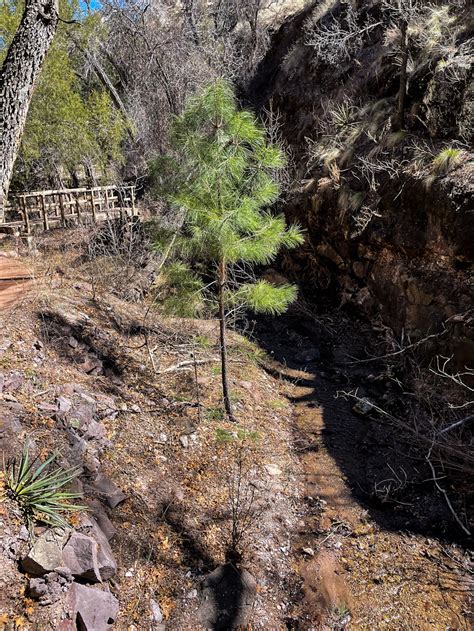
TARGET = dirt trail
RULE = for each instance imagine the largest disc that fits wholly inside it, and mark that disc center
(15, 281)
(363, 564)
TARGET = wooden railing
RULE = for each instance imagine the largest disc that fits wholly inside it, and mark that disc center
(69, 206)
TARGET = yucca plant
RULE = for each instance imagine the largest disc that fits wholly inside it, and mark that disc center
(38, 488)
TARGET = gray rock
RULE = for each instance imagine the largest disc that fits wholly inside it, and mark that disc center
(24, 535)
(184, 440)
(83, 414)
(63, 406)
(102, 519)
(109, 490)
(273, 469)
(156, 614)
(46, 553)
(106, 564)
(51, 587)
(95, 431)
(5, 345)
(227, 598)
(13, 381)
(162, 438)
(48, 409)
(80, 556)
(91, 608)
(105, 557)
(363, 407)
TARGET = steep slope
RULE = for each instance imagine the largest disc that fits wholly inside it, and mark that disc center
(388, 211)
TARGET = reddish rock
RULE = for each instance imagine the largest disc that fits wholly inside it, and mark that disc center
(91, 608)
(80, 556)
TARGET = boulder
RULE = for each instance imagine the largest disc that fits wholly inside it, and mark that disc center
(105, 560)
(80, 556)
(46, 554)
(91, 608)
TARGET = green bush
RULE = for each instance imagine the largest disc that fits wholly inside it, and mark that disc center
(39, 489)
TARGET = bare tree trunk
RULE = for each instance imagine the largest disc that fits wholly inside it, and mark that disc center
(223, 340)
(107, 83)
(188, 10)
(402, 90)
(18, 77)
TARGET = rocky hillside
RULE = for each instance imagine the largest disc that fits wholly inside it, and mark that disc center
(334, 528)
(388, 209)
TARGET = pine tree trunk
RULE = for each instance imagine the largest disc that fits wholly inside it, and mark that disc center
(402, 90)
(223, 341)
(18, 76)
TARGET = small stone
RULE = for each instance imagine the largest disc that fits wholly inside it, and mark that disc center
(73, 343)
(109, 490)
(135, 408)
(24, 535)
(309, 551)
(363, 407)
(192, 593)
(156, 614)
(273, 469)
(162, 438)
(184, 441)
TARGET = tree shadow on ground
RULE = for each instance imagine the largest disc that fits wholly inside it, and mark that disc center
(364, 449)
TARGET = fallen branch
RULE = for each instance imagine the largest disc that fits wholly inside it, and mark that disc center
(457, 424)
(188, 364)
(446, 497)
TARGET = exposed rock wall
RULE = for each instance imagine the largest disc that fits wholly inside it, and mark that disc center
(412, 262)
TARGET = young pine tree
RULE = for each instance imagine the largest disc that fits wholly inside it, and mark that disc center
(224, 182)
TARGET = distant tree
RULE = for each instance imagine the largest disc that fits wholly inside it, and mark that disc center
(18, 76)
(72, 118)
(223, 179)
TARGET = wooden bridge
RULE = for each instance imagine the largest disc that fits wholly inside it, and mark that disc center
(42, 210)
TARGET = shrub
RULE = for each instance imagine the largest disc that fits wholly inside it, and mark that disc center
(447, 160)
(39, 490)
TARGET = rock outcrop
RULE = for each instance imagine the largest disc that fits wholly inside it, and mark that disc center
(388, 214)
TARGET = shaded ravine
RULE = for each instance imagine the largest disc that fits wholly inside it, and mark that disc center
(362, 563)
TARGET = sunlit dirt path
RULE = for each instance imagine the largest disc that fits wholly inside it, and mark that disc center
(362, 566)
(15, 281)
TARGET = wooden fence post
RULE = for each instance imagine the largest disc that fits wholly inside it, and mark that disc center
(94, 218)
(44, 213)
(25, 214)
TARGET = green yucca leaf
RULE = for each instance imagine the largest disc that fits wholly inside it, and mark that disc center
(41, 494)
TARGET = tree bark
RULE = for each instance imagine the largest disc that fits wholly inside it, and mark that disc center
(223, 340)
(18, 76)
